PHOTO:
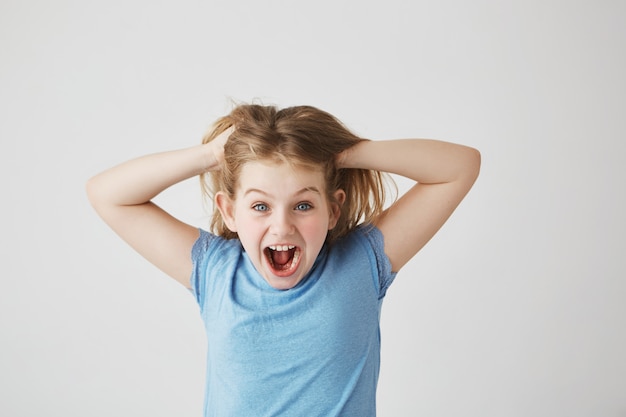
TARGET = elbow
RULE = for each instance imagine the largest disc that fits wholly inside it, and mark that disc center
(474, 163)
(93, 191)
(470, 167)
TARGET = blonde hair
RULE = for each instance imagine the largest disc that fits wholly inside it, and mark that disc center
(300, 135)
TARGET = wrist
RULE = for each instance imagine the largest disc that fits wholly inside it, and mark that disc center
(349, 158)
(210, 158)
(214, 150)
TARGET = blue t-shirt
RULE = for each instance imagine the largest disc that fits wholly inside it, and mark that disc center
(312, 350)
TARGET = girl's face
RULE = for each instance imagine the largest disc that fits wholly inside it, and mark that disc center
(282, 216)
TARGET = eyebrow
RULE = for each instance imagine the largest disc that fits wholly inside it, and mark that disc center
(312, 189)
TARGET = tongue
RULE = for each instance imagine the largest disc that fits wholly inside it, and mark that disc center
(281, 258)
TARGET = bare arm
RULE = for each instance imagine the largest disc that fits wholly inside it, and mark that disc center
(121, 196)
(444, 173)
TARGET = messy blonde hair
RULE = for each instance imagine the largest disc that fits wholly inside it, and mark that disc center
(302, 136)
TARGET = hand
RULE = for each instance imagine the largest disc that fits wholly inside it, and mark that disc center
(217, 147)
(342, 159)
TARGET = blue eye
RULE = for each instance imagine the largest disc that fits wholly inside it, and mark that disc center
(260, 207)
(303, 206)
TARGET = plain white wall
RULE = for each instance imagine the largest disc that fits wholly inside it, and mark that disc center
(516, 308)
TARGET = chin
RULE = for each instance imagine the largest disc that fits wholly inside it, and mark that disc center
(283, 283)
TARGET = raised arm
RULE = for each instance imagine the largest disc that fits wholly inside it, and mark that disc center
(444, 173)
(122, 197)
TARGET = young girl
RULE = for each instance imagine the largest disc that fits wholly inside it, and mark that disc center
(291, 278)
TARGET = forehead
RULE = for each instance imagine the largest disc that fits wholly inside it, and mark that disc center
(279, 178)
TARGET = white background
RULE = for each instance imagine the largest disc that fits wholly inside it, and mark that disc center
(516, 308)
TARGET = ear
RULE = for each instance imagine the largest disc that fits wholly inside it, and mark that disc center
(339, 197)
(226, 206)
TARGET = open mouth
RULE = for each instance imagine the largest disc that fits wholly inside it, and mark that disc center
(283, 259)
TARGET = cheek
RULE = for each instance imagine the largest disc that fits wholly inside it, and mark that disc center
(243, 222)
(315, 230)
(248, 229)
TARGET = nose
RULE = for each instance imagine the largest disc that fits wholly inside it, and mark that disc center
(281, 223)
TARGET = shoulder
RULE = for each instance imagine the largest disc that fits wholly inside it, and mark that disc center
(365, 246)
(373, 238)
(367, 235)
(212, 256)
(211, 252)
(208, 243)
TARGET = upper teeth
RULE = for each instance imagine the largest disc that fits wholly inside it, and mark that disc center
(282, 247)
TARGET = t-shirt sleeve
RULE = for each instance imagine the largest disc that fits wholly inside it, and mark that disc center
(376, 241)
(215, 260)
(200, 253)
